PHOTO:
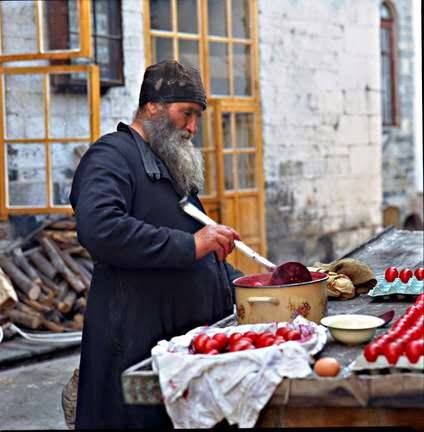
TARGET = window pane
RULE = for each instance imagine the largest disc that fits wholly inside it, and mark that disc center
(73, 22)
(385, 11)
(69, 114)
(113, 69)
(18, 15)
(245, 131)
(187, 16)
(101, 17)
(385, 40)
(242, 70)
(246, 171)
(240, 12)
(161, 49)
(114, 17)
(386, 79)
(210, 173)
(65, 158)
(189, 52)
(226, 130)
(228, 172)
(59, 15)
(217, 18)
(218, 63)
(26, 172)
(24, 106)
(160, 14)
(199, 140)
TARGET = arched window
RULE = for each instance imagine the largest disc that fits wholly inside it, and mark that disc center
(388, 65)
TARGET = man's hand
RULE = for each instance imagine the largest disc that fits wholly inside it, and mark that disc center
(215, 238)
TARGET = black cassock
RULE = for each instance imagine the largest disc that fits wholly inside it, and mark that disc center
(146, 284)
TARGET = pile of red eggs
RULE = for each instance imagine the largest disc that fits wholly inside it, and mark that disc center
(405, 337)
(404, 274)
(221, 343)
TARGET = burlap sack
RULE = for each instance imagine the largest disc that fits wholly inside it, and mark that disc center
(340, 286)
(69, 399)
(359, 273)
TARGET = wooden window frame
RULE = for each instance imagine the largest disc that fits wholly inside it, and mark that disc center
(390, 25)
(224, 206)
(85, 49)
(75, 85)
(93, 96)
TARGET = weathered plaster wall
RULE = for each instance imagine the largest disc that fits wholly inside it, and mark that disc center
(399, 187)
(320, 82)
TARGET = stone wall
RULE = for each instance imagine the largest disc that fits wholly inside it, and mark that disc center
(399, 188)
(321, 125)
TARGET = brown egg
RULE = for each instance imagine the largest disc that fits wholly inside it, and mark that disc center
(327, 367)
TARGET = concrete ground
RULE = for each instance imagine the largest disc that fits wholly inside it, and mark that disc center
(31, 394)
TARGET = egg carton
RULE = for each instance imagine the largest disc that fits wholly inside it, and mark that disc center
(383, 288)
(381, 365)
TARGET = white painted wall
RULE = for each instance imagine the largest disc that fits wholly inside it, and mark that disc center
(320, 84)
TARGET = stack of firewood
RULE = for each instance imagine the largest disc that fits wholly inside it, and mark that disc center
(51, 273)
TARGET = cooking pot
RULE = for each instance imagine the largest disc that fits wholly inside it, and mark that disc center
(259, 302)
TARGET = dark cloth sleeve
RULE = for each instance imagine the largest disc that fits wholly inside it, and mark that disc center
(101, 196)
(232, 274)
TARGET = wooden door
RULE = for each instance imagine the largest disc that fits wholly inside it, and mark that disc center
(239, 199)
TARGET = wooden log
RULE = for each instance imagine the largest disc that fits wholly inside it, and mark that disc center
(27, 320)
(64, 289)
(67, 225)
(8, 296)
(51, 285)
(80, 305)
(87, 263)
(53, 326)
(47, 292)
(21, 261)
(75, 267)
(22, 307)
(78, 319)
(31, 289)
(45, 299)
(37, 306)
(54, 315)
(69, 238)
(42, 264)
(68, 302)
(60, 265)
(29, 251)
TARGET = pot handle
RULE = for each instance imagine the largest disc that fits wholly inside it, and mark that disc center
(272, 300)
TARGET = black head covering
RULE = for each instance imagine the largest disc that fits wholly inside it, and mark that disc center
(170, 81)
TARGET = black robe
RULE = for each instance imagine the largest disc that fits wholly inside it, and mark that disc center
(146, 284)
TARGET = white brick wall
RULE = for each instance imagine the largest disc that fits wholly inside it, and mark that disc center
(321, 124)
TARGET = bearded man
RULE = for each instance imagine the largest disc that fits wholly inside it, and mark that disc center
(158, 273)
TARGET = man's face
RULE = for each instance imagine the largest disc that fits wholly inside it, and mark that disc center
(169, 129)
(185, 116)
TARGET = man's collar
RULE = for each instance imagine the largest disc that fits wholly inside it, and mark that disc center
(148, 157)
(153, 165)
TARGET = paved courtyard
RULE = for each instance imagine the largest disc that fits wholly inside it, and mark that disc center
(31, 394)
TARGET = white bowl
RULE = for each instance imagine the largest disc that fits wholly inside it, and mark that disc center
(352, 329)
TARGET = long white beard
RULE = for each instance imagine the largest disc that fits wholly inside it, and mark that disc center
(177, 152)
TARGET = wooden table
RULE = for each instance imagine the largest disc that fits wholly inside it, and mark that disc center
(390, 397)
